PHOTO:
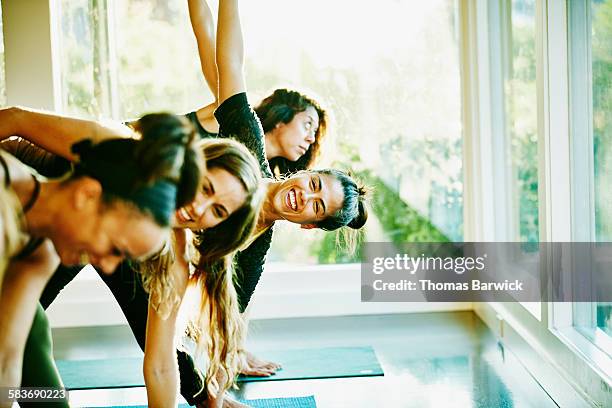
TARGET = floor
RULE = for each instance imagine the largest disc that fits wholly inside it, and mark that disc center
(429, 359)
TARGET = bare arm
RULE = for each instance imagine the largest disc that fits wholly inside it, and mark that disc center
(56, 133)
(230, 50)
(160, 367)
(23, 284)
(203, 26)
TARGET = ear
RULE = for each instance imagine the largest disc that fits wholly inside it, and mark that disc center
(308, 226)
(86, 194)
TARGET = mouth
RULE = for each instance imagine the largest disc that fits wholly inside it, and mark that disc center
(183, 216)
(291, 200)
(303, 149)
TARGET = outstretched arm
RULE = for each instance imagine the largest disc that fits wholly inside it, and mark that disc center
(203, 26)
(23, 283)
(56, 133)
(230, 50)
(160, 368)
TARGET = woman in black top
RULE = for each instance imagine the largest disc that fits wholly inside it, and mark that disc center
(294, 124)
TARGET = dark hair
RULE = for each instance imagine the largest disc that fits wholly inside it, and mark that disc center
(158, 173)
(282, 106)
(353, 213)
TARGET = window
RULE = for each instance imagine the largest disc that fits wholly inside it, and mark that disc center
(514, 121)
(520, 145)
(601, 54)
(591, 59)
(380, 76)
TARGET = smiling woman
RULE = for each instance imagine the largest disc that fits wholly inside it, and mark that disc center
(306, 198)
(225, 186)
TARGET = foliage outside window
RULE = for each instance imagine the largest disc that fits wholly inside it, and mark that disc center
(601, 54)
(521, 120)
(390, 77)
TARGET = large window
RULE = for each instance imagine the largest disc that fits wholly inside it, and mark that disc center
(522, 125)
(591, 59)
(601, 12)
(389, 74)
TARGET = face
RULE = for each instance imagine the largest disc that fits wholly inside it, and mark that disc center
(308, 197)
(221, 194)
(295, 137)
(104, 235)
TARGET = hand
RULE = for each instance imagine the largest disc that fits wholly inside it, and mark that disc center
(258, 368)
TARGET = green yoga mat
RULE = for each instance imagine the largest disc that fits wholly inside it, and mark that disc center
(332, 362)
(293, 402)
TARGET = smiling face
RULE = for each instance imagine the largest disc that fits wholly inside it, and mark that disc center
(308, 197)
(101, 234)
(221, 194)
(294, 138)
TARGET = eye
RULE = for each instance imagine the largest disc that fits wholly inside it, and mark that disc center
(219, 211)
(316, 208)
(313, 185)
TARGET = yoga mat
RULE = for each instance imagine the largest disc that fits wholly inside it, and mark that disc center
(334, 362)
(293, 402)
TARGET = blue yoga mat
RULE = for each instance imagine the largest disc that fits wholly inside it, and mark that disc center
(334, 362)
(294, 402)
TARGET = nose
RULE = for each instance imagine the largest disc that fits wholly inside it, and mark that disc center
(200, 205)
(306, 195)
(310, 137)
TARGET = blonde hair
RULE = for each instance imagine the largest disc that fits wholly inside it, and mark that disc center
(218, 329)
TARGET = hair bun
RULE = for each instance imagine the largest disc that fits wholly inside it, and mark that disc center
(362, 215)
(82, 148)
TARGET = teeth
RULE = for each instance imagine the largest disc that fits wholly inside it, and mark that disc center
(292, 199)
(184, 214)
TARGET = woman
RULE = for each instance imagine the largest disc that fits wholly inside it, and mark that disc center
(92, 214)
(294, 123)
(225, 204)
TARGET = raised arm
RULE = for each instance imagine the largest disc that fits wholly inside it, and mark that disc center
(230, 50)
(56, 133)
(203, 26)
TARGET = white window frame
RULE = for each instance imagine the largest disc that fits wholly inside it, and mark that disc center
(551, 349)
